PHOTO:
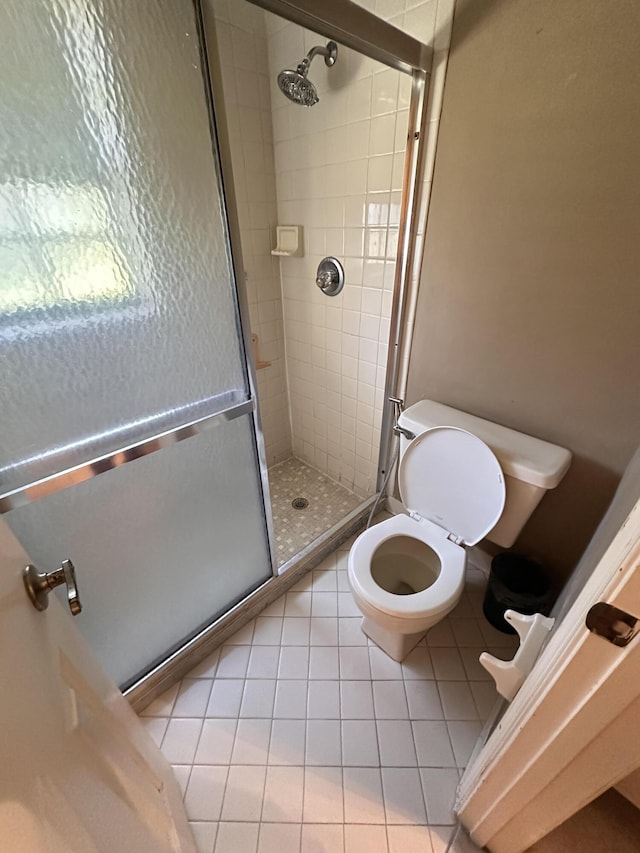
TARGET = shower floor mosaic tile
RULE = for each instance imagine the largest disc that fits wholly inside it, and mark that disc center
(300, 736)
(293, 528)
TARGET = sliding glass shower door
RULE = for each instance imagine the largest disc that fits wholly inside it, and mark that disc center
(120, 343)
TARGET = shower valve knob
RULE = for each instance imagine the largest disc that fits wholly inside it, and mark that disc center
(330, 276)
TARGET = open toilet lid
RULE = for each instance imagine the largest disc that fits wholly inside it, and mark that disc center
(452, 478)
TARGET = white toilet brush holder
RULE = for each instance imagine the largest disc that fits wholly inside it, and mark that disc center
(509, 675)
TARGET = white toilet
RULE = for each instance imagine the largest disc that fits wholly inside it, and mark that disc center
(461, 479)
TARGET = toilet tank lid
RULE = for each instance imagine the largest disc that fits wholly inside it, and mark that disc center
(521, 456)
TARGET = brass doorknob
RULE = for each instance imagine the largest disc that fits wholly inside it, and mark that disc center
(39, 585)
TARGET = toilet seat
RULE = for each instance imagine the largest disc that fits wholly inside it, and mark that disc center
(438, 596)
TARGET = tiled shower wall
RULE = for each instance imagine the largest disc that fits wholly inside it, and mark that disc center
(339, 169)
(242, 46)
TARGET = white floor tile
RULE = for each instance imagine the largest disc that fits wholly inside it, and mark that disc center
(372, 839)
(294, 662)
(485, 696)
(291, 699)
(424, 700)
(457, 700)
(268, 631)
(204, 834)
(346, 605)
(323, 702)
(233, 661)
(431, 738)
(395, 740)
(356, 699)
(244, 635)
(441, 837)
(403, 799)
(439, 788)
(236, 837)
(447, 664)
(493, 637)
(325, 581)
(324, 631)
(205, 791)
(225, 698)
(279, 838)
(156, 727)
(295, 631)
(363, 802)
(323, 663)
(258, 698)
(409, 839)
(323, 795)
(382, 666)
(263, 662)
(350, 633)
(287, 742)
(244, 793)
(440, 635)
(324, 604)
(467, 632)
(283, 794)
(207, 667)
(343, 581)
(252, 740)
(323, 743)
(182, 773)
(354, 663)
(389, 700)
(298, 604)
(472, 666)
(276, 608)
(360, 743)
(193, 697)
(464, 735)
(216, 741)
(417, 664)
(321, 838)
(180, 740)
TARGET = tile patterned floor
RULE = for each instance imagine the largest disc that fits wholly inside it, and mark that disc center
(298, 735)
(328, 504)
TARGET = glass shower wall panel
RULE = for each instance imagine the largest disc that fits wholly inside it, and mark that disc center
(161, 546)
(116, 286)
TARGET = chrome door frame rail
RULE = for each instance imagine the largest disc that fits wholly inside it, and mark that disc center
(107, 462)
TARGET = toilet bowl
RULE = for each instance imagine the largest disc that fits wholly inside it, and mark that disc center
(407, 573)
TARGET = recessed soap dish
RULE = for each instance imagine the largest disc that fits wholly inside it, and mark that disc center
(289, 241)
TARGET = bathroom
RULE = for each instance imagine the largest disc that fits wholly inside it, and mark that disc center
(514, 321)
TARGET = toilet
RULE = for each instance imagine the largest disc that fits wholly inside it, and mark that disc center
(461, 479)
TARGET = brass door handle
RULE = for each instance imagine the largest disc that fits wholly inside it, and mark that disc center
(39, 585)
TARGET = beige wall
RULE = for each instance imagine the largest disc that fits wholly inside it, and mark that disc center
(529, 306)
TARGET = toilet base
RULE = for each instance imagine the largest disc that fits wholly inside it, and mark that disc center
(397, 646)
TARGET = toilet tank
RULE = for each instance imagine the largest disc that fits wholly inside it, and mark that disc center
(531, 466)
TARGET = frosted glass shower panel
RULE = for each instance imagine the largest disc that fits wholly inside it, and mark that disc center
(161, 546)
(115, 283)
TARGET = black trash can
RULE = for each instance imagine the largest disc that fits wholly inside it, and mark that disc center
(515, 583)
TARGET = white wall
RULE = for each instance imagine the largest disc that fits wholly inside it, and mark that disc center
(242, 47)
(339, 169)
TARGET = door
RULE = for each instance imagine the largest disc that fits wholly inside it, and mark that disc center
(120, 339)
(79, 773)
(571, 731)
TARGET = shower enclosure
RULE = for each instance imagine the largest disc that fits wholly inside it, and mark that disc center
(318, 134)
(141, 307)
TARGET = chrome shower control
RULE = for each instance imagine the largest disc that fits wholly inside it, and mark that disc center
(330, 276)
(39, 585)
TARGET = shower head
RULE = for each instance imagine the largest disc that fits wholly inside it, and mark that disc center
(296, 85)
